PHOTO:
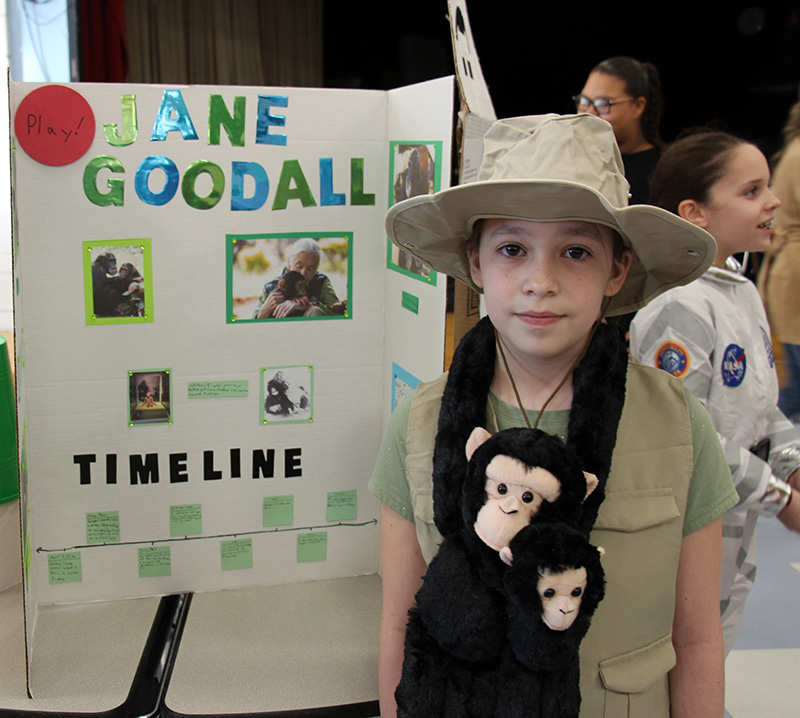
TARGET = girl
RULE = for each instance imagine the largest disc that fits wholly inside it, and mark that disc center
(546, 235)
(627, 93)
(714, 334)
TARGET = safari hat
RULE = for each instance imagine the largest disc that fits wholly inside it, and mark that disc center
(554, 168)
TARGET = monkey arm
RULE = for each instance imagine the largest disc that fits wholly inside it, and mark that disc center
(460, 610)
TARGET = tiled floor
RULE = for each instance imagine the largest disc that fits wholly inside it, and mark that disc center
(762, 670)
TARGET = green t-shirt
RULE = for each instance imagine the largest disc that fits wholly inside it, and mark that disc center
(705, 497)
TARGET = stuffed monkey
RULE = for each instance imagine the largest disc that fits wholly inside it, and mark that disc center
(507, 599)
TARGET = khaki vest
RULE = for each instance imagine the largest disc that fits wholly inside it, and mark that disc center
(627, 653)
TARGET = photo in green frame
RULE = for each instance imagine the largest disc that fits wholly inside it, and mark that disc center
(289, 276)
(118, 281)
(414, 170)
(287, 394)
(149, 397)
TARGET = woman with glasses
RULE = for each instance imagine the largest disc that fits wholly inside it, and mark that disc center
(627, 93)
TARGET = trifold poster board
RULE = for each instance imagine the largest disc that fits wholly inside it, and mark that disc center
(212, 328)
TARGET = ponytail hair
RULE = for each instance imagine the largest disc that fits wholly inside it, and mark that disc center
(641, 80)
(689, 167)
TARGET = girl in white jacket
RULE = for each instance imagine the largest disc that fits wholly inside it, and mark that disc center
(714, 333)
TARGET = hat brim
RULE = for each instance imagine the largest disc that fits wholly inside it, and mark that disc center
(667, 250)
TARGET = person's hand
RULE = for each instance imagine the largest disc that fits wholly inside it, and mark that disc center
(274, 298)
(287, 307)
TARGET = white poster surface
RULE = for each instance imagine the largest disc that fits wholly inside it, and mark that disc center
(203, 341)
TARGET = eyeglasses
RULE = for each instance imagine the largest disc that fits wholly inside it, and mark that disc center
(602, 105)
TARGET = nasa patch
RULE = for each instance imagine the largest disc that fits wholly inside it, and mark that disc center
(768, 347)
(673, 358)
(734, 365)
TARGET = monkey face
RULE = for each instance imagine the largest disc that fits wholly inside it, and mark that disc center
(514, 493)
(561, 593)
(293, 285)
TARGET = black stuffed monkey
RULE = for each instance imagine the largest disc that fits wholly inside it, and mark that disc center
(508, 598)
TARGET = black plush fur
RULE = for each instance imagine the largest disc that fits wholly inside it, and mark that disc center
(476, 644)
(516, 666)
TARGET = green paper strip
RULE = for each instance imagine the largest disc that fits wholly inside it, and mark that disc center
(218, 389)
(411, 302)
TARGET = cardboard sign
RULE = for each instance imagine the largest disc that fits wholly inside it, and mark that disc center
(207, 323)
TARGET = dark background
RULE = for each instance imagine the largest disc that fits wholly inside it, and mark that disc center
(736, 64)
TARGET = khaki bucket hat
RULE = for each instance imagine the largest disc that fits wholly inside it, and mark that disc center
(554, 168)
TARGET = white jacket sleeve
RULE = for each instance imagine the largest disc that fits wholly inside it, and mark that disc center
(759, 484)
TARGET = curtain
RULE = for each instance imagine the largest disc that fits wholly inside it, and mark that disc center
(103, 51)
(225, 42)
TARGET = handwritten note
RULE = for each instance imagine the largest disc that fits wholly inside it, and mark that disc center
(217, 389)
(237, 554)
(312, 547)
(65, 567)
(102, 527)
(278, 511)
(185, 520)
(55, 125)
(342, 505)
(154, 561)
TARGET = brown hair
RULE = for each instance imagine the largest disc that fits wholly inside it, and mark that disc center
(690, 167)
(641, 80)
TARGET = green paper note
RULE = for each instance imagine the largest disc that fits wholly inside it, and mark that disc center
(102, 527)
(410, 302)
(154, 561)
(65, 567)
(185, 520)
(278, 511)
(312, 547)
(217, 389)
(237, 554)
(342, 505)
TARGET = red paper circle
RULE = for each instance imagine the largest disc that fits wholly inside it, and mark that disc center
(54, 124)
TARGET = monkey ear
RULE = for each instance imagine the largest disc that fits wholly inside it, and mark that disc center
(591, 483)
(476, 438)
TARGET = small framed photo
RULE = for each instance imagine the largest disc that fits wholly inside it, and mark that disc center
(287, 394)
(149, 397)
(118, 281)
(292, 276)
(414, 169)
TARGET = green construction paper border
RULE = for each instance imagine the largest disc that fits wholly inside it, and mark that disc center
(262, 412)
(131, 422)
(229, 243)
(437, 184)
(147, 273)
